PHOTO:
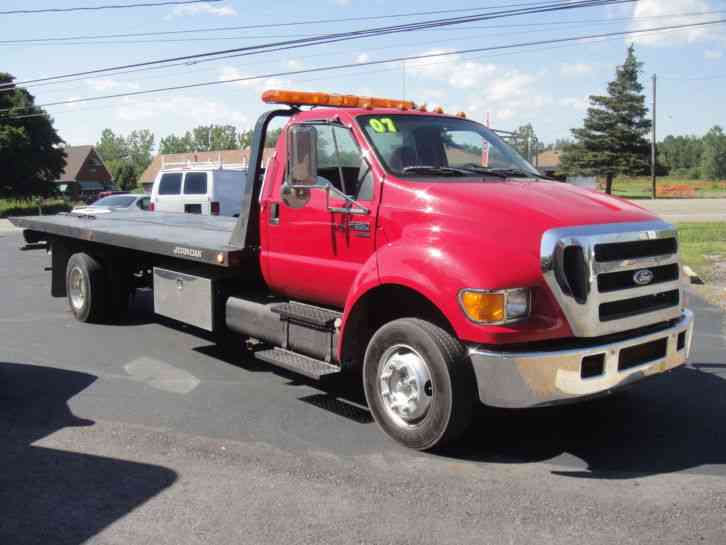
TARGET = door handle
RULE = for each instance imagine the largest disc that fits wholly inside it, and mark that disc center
(360, 229)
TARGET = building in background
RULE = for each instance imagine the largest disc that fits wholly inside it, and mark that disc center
(548, 162)
(216, 158)
(85, 175)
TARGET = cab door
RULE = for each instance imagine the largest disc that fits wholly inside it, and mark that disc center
(314, 252)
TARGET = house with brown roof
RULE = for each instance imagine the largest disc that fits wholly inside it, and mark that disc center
(548, 162)
(85, 174)
(220, 158)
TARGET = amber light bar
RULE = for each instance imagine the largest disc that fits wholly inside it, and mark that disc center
(304, 98)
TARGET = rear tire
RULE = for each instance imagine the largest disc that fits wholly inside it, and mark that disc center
(419, 383)
(86, 287)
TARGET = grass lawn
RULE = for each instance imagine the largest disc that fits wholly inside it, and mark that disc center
(668, 187)
(702, 246)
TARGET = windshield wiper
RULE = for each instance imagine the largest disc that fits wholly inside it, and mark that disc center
(446, 171)
(512, 173)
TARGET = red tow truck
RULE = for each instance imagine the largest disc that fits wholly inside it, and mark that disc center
(413, 248)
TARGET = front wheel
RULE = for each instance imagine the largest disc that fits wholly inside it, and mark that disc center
(419, 383)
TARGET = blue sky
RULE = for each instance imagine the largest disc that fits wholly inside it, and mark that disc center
(546, 85)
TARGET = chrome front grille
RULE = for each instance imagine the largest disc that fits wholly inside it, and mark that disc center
(615, 277)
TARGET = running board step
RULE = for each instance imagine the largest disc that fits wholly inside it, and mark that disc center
(292, 361)
(309, 315)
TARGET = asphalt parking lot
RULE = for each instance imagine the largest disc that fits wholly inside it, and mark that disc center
(147, 433)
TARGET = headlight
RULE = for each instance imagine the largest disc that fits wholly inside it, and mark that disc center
(495, 306)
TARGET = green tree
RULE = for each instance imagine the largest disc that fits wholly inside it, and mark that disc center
(214, 138)
(245, 138)
(126, 176)
(126, 156)
(140, 145)
(176, 144)
(713, 161)
(613, 138)
(113, 150)
(30, 154)
(526, 143)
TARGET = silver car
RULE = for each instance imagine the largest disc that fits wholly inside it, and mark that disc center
(115, 203)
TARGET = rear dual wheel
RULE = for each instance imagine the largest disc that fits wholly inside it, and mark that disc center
(419, 383)
(86, 287)
(96, 294)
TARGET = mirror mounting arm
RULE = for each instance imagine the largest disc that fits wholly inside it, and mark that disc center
(353, 208)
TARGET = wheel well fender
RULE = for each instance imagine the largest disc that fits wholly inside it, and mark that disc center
(377, 306)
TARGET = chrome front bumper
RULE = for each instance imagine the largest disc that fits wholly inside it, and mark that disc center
(530, 379)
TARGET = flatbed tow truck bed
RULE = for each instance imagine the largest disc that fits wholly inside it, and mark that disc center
(203, 239)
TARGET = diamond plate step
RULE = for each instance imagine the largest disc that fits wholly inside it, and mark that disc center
(297, 363)
(307, 314)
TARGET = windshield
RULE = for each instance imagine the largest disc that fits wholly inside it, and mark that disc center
(417, 145)
(119, 201)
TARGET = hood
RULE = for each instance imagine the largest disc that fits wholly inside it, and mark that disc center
(542, 204)
(487, 223)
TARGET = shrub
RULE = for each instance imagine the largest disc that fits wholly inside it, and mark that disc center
(29, 207)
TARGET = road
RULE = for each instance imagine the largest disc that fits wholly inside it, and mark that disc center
(685, 210)
(145, 433)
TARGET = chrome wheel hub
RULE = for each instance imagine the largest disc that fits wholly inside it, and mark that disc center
(77, 288)
(405, 384)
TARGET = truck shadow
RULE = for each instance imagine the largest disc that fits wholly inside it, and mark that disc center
(58, 496)
(670, 423)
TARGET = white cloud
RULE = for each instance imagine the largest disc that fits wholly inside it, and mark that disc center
(457, 72)
(196, 110)
(362, 57)
(230, 73)
(712, 54)
(661, 9)
(342, 3)
(510, 85)
(579, 104)
(108, 84)
(202, 9)
(576, 69)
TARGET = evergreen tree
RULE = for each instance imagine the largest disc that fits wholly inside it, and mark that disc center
(613, 138)
(30, 153)
(713, 160)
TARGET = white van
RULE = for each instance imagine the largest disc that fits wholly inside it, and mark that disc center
(199, 188)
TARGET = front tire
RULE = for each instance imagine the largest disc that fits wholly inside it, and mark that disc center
(419, 383)
(86, 288)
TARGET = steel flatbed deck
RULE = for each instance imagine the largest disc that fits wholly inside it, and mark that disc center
(202, 239)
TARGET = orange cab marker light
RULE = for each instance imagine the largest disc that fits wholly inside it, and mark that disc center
(462, 115)
(305, 98)
(439, 110)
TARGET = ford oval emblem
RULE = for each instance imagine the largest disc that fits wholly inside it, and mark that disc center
(643, 277)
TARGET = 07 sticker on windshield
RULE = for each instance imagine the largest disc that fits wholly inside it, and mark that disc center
(383, 125)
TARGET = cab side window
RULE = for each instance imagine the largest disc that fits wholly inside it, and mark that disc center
(341, 164)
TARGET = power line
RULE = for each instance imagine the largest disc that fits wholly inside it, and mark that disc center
(374, 63)
(289, 24)
(343, 36)
(108, 6)
(324, 78)
(110, 39)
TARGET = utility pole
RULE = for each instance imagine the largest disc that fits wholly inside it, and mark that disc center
(403, 76)
(652, 143)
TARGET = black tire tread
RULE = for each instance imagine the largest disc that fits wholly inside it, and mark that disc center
(96, 310)
(461, 377)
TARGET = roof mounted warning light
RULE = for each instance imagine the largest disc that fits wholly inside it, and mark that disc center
(304, 98)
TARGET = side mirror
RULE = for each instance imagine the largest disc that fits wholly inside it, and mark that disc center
(302, 165)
